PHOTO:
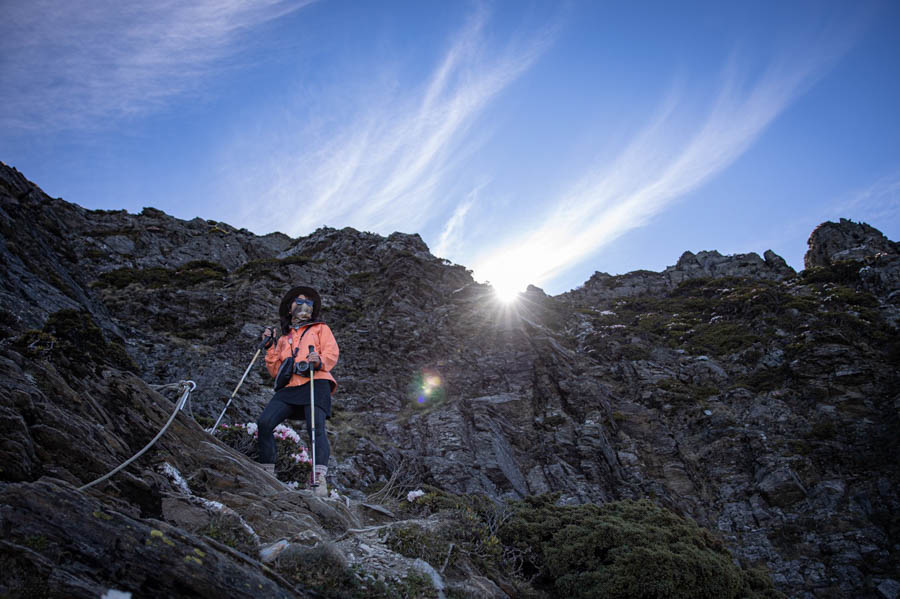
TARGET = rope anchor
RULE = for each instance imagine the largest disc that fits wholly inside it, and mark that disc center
(188, 387)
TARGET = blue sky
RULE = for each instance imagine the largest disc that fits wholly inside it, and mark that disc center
(532, 142)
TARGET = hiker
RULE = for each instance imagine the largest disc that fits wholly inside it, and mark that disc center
(301, 327)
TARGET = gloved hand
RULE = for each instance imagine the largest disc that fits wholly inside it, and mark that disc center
(268, 336)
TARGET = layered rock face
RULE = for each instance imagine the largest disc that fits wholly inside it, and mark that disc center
(859, 249)
(760, 402)
(604, 287)
(846, 240)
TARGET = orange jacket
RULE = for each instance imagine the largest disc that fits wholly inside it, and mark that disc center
(320, 337)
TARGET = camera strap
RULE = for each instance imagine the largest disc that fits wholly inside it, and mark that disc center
(286, 370)
(291, 341)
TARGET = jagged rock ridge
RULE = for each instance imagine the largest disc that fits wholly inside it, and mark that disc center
(760, 402)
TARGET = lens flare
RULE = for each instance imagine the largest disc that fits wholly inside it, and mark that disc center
(426, 386)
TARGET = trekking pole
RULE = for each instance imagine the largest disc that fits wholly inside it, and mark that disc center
(264, 344)
(312, 416)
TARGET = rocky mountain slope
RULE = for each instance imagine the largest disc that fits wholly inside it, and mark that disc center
(760, 403)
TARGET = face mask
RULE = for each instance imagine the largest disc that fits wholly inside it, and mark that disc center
(302, 310)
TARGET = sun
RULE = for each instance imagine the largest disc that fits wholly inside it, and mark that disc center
(508, 279)
(507, 292)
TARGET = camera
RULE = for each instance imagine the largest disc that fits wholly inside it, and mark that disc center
(303, 367)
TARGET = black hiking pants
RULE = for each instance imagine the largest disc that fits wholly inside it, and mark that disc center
(277, 412)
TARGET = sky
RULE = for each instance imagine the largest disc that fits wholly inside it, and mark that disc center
(532, 142)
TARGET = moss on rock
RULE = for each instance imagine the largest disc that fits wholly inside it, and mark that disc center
(228, 529)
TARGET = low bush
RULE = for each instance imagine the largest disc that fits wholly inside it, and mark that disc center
(624, 549)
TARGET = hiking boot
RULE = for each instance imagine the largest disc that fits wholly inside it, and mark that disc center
(322, 489)
(270, 468)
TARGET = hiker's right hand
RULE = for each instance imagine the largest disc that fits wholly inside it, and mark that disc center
(268, 332)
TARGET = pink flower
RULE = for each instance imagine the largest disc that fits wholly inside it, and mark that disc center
(300, 457)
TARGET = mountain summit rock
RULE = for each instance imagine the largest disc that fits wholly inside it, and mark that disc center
(846, 240)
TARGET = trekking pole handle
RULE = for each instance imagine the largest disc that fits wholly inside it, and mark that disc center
(312, 349)
(269, 339)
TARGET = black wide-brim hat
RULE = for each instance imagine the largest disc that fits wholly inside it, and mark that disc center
(284, 310)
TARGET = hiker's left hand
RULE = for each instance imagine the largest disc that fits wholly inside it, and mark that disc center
(314, 359)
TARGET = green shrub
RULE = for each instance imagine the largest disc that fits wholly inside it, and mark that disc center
(345, 312)
(714, 316)
(686, 392)
(73, 340)
(765, 379)
(218, 321)
(470, 525)
(845, 272)
(721, 338)
(360, 278)
(634, 352)
(204, 421)
(433, 546)
(192, 273)
(321, 571)
(264, 266)
(129, 232)
(823, 430)
(35, 344)
(198, 271)
(624, 549)
(851, 297)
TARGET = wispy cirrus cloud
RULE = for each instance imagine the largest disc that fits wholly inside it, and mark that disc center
(453, 231)
(660, 165)
(84, 65)
(878, 204)
(377, 164)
